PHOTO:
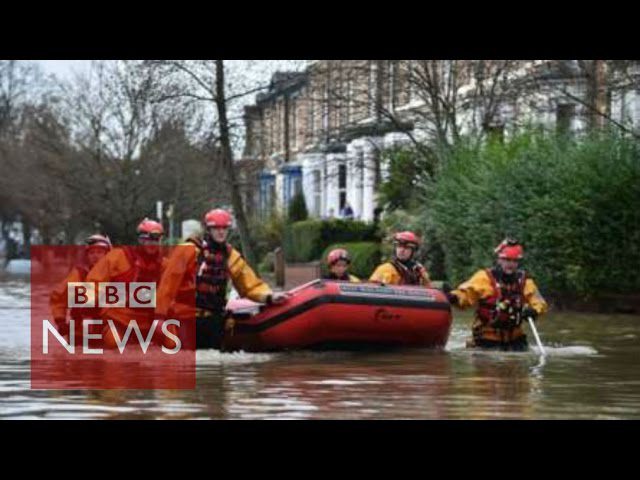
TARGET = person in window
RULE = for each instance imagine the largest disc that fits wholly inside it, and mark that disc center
(347, 212)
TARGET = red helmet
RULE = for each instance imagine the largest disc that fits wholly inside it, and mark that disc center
(218, 218)
(509, 249)
(150, 229)
(337, 255)
(98, 241)
(407, 238)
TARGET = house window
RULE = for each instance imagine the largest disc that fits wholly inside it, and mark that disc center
(342, 185)
(311, 121)
(564, 118)
(325, 109)
(349, 99)
(296, 186)
(411, 80)
(294, 124)
(392, 85)
(317, 192)
(372, 87)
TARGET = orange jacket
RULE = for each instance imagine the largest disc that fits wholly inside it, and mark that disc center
(180, 273)
(115, 264)
(58, 297)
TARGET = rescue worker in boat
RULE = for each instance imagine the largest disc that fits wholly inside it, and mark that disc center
(403, 269)
(142, 263)
(212, 262)
(97, 246)
(505, 296)
(338, 262)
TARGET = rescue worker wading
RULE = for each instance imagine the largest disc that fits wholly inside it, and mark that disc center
(402, 269)
(505, 296)
(338, 262)
(128, 264)
(97, 246)
(216, 263)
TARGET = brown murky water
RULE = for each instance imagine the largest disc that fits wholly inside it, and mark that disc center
(591, 372)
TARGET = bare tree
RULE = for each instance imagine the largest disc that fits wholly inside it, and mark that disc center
(432, 102)
(20, 83)
(113, 118)
(209, 81)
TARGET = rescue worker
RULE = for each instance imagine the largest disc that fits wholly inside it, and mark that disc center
(338, 262)
(403, 269)
(212, 262)
(97, 246)
(132, 264)
(505, 296)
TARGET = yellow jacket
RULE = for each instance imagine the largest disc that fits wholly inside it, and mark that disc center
(388, 274)
(180, 273)
(479, 286)
(352, 279)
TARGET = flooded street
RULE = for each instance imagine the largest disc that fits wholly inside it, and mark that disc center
(591, 373)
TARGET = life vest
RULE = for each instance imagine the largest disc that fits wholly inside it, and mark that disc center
(212, 275)
(502, 309)
(410, 272)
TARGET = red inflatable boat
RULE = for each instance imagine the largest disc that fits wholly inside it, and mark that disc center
(327, 315)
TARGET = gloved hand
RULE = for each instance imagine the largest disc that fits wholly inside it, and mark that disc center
(278, 297)
(419, 268)
(63, 326)
(529, 312)
(453, 298)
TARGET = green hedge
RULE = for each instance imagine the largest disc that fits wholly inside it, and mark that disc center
(365, 257)
(305, 241)
(302, 241)
(574, 204)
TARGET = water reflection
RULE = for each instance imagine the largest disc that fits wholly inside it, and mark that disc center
(590, 372)
(346, 386)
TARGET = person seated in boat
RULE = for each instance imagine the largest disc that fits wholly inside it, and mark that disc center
(212, 262)
(97, 246)
(403, 269)
(505, 296)
(338, 262)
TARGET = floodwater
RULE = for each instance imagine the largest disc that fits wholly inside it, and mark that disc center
(591, 372)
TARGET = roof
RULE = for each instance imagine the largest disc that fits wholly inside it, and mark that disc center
(282, 83)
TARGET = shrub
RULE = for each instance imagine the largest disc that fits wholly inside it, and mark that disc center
(574, 204)
(305, 241)
(298, 208)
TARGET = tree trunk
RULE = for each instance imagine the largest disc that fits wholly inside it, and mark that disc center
(597, 93)
(227, 159)
(26, 239)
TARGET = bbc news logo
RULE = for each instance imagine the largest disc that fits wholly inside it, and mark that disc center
(104, 295)
(111, 337)
(111, 295)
